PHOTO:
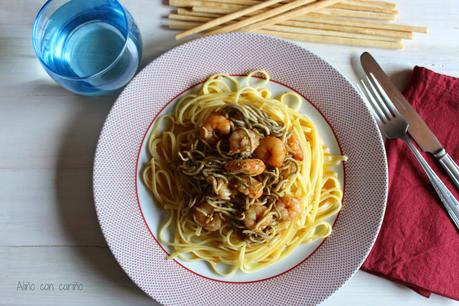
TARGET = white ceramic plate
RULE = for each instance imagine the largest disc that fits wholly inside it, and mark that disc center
(154, 215)
(129, 218)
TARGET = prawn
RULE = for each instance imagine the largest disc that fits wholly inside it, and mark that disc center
(251, 167)
(214, 126)
(288, 208)
(205, 216)
(272, 151)
(243, 141)
(254, 215)
(250, 187)
(220, 188)
(294, 148)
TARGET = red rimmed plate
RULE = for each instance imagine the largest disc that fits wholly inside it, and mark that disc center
(129, 218)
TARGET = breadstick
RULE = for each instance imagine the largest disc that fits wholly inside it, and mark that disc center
(183, 25)
(241, 2)
(372, 6)
(357, 14)
(349, 29)
(182, 11)
(325, 19)
(290, 14)
(322, 19)
(310, 25)
(227, 18)
(213, 10)
(336, 40)
(289, 29)
(254, 19)
(213, 4)
(226, 8)
(191, 18)
(389, 5)
(359, 7)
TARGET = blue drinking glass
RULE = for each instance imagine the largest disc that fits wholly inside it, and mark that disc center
(90, 47)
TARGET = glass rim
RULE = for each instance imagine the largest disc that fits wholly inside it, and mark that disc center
(100, 72)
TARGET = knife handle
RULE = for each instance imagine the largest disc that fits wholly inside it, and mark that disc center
(447, 198)
(449, 165)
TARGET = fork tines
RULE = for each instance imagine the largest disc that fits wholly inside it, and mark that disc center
(381, 105)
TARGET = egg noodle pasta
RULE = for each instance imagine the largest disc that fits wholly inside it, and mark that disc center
(244, 176)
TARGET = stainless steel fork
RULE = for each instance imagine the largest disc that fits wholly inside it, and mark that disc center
(393, 125)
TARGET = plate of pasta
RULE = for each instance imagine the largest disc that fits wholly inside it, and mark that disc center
(240, 168)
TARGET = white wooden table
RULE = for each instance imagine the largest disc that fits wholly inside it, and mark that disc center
(49, 232)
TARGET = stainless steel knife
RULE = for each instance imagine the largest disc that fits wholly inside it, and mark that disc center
(418, 129)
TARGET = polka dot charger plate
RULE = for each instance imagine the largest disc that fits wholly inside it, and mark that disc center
(130, 219)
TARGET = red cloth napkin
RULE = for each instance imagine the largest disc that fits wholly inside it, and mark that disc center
(418, 244)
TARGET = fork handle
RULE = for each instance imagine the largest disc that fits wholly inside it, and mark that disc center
(449, 165)
(449, 202)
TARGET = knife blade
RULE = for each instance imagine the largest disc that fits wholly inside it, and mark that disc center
(417, 128)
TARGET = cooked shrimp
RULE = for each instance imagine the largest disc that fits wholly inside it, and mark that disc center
(294, 147)
(272, 151)
(251, 167)
(288, 208)
(204, 215)
(214, 126)
(250, 187)
(220, 188)
(254, 215)
(243, 141)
